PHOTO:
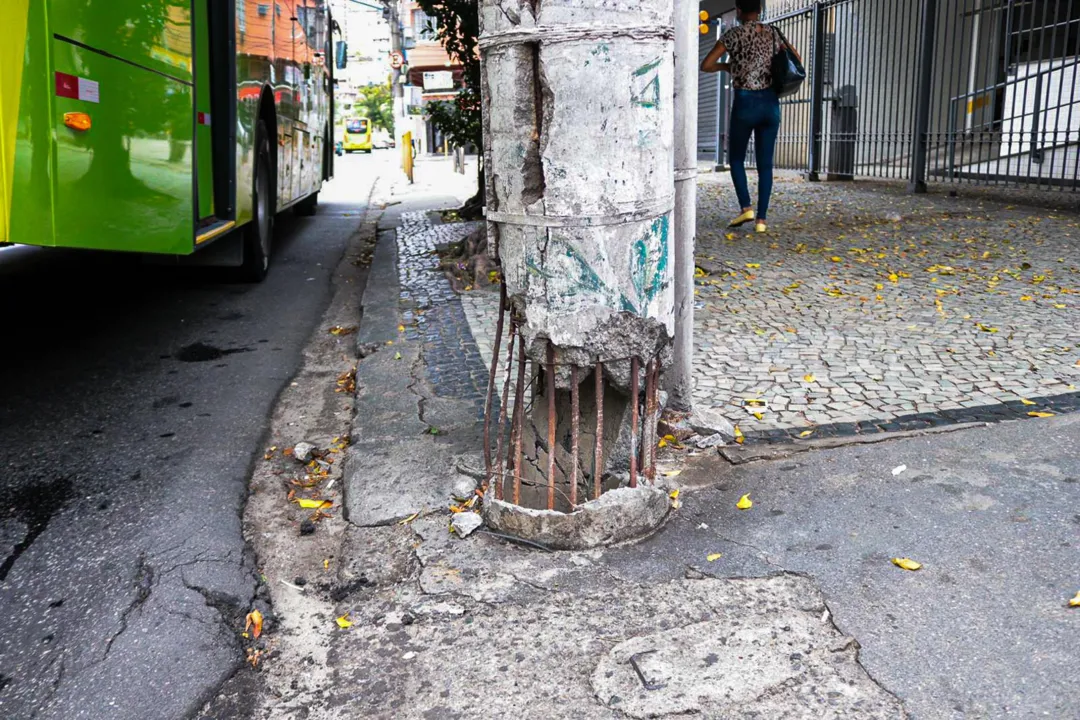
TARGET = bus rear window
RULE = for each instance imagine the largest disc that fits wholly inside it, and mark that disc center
(357, 126)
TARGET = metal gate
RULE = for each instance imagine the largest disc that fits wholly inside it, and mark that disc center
(980, 91)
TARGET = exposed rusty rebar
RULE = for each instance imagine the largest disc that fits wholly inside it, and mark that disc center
(635, 365)
(550, 390)
(491, 384)
(598, 457)
(499, 468)
(654, 419)
(575, 429)
(519, 418)
(646, 424)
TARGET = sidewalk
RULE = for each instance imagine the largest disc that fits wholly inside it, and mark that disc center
(867, 310)
(791, 609)
(479, 628)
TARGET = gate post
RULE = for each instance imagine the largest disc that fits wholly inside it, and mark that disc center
(817, 89)
(921, 140)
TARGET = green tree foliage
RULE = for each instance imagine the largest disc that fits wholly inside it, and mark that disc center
(377, 105)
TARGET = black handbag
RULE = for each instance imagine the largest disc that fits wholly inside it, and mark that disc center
(787, 71)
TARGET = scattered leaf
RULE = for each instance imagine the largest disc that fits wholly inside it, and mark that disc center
(343, 330)
(397, 356)
(986, 328)
(806, 433)
(309, 504)
(674, 494)
(906, 563)
(1027, 402)
(344, 621)
(1075, 602)
(671, 473)
(326, 564)
(401, 328)
(745, 503)
(739, 437)
(254, 621)
(713, 557)
(753, 266)
(809, 377)
(1038, 414)
(409, 519)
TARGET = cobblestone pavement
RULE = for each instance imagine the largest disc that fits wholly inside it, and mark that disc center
(867, 309)
(867, 304)
(434, 313)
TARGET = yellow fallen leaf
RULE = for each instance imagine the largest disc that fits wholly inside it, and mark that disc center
(409, 519)
(1075, 602)
(671, 473)
(806, 433)
(745, 503)
(1025, 298)
(1027, 402)
(753, 266)
(254, 621)
(309, 504)
(344, 621)
(809, 377)
(713, 557)
(326, 564)
(739, 438)
(906, 563)
(401, 328)
(1035, 413)
(1060, 306)
(759, 416)
(674, 494)
(894, 278)
(837, 258)
(342, 330)
(986, 328)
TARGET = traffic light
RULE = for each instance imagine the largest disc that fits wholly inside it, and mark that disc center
(703, 16)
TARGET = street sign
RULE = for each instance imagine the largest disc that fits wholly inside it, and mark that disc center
(396, 60)
(439, 80)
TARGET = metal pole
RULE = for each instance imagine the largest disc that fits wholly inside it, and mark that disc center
(817, 94)
(917, 183)
(680, 380)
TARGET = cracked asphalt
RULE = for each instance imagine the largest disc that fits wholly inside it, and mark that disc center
(135, 401)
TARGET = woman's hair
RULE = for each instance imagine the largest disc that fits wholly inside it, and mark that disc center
(749, 6)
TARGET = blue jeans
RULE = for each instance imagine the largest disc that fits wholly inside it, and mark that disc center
(757, 112)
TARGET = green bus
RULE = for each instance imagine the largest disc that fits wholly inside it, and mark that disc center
(171, 128)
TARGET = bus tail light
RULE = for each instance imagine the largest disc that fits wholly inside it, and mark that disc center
(77, 120)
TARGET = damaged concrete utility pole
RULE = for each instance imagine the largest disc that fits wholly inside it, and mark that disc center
(578, 127)
(680, 381)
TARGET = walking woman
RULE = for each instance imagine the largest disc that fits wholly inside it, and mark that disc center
(756, 109)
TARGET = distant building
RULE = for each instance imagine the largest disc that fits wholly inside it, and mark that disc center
(432, 75)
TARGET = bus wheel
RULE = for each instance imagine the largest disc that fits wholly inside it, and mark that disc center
(258, 233)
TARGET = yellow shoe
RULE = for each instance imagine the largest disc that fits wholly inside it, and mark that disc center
(760, 226)
(742, 219)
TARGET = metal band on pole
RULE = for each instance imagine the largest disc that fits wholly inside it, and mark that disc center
(549, 34)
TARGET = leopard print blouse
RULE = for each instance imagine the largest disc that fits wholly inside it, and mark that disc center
(751, 47)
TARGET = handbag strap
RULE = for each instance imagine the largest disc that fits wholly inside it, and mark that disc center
(781, 34)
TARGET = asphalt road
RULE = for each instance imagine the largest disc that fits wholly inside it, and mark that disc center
(983, 629)
(135, 400)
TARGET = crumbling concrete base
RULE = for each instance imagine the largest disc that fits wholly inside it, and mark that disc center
(617, 516)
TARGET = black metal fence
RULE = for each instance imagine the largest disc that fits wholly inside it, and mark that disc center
(980, 91)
